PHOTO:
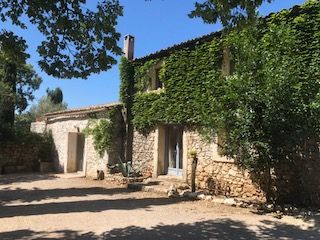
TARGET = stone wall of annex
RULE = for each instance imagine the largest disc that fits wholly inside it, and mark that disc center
(59, 129)
(143, 152)
(61, 126)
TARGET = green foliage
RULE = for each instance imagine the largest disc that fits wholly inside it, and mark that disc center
(268, 109)
(143, 76)
(102, 132)
(270, 105)
(230, 13)
(13, 48)
(45, 105)
(18, 80)
(189, 77)
(126, 76)
(56, 95)
(21, 137)
(78, 41)
(27, 82)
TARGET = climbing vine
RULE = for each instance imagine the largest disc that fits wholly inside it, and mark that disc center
(268, 108)
(189, 77)
(102, 131)
(126, 75)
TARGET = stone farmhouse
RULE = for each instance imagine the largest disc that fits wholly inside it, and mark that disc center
(162, 151)
(163, 148)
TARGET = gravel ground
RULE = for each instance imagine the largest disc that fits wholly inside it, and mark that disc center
(69, 207)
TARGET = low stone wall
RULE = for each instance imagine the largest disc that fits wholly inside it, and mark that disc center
(18, 157)
(143, 152)
(218, 174)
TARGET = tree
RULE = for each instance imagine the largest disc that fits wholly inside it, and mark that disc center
(17, 80)
(78, 41)
(231, 13)
(45, 105)
(270, 106)
(56, 95)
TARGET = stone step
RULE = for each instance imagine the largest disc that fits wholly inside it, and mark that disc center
(158, 185)
(169, 178)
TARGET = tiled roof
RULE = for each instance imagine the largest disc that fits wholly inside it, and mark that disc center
(295, 10)
(82, 111)
(166, 51)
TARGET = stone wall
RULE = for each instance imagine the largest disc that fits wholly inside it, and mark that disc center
(19, 157)
(143, 152)
(219, 175)
(61, 126)
(93, 161)
(38, 127)
(59, 129)
(214, 173)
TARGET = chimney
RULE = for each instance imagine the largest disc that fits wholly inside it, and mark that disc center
(128, 48)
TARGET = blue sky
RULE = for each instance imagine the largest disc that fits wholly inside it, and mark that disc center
(155, 25)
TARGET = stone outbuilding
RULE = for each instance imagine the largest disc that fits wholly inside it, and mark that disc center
(73, 150)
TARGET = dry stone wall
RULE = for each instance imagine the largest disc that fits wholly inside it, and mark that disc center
(19, 157)
(218, 174)
(297, 182)
(143, 152)
(38, 127)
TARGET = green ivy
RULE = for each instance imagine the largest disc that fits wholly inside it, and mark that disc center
(189, 77)
(102, 131)
(271, 104)
(268, 108)
(126, 76)
(143, 76)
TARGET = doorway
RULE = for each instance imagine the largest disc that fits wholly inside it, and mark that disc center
(75, 152)
(174, 150)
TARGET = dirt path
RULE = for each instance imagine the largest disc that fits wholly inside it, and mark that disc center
(69, 207)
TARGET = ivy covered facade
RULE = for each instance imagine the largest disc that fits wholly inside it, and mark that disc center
(246, 102)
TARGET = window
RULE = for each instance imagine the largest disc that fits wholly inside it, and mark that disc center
(155, 82)
(158, 84)
(228, 64)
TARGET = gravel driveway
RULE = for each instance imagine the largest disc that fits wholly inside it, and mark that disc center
(70, 207)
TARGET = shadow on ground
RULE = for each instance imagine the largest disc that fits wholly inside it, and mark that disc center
(314, 219)
(9, 195)
(25, 202)
(82, 206)
(225, 229)
(30, 177)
